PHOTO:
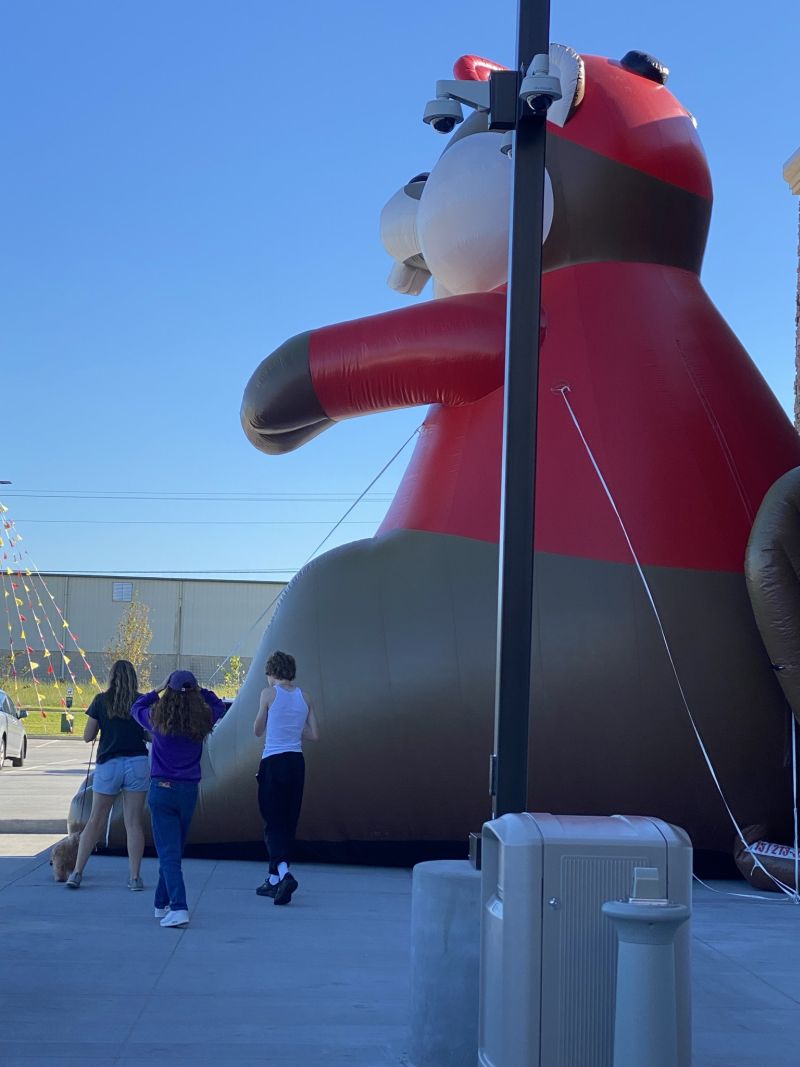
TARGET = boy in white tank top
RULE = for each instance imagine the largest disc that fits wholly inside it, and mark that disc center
(286, 715)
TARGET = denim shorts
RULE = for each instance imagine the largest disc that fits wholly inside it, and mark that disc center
(122, 772)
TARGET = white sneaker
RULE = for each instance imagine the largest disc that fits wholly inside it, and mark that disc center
(176, 918)
(159, 913)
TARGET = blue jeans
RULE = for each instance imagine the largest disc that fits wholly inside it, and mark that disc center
(172, 806)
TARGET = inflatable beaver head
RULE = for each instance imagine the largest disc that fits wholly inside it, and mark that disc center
(627, 180)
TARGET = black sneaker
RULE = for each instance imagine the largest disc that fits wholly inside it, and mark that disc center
(267, 890)
(286, 887)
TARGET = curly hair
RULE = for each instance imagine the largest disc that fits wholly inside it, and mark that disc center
(122, 690)
(281, 666)
(182, 714)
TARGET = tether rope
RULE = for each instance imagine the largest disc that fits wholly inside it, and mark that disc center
(792, 893)
(324, 540)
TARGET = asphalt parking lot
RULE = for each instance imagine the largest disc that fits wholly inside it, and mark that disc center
(34, 799)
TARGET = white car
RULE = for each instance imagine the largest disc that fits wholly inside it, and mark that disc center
(13, 739)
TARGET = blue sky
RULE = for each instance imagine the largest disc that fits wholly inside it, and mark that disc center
(188, 184)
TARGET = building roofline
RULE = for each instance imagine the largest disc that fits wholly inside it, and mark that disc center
(162, 578)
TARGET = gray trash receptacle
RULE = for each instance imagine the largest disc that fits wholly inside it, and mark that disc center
(548, 954)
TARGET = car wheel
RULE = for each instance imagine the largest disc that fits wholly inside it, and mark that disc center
(20, 759)
(2, 753)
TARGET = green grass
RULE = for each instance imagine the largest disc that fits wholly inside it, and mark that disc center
(24, 695)
(49, 724)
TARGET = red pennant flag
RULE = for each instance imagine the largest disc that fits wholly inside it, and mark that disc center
(22, 618)
(50, 669)
(29, 649)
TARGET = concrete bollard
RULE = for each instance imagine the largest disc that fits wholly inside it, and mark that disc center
(445, 963)
(646, 1018)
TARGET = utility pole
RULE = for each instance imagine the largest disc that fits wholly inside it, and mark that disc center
(516, 579)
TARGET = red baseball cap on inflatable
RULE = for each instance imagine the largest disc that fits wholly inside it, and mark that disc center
(622, 110)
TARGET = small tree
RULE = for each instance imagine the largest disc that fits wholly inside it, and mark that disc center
(132, 640)
(232, 678)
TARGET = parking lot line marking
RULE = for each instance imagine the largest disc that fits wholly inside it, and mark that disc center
(55, 763)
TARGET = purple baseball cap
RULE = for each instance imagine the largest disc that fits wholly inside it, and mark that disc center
(181, 681)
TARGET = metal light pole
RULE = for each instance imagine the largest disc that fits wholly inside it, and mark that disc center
(515, 599)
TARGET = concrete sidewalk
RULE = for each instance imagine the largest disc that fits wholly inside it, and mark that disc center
(89, 974)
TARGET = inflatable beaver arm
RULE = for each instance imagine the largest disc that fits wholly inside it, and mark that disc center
(446, 351)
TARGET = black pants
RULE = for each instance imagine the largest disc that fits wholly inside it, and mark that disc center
(280, 796)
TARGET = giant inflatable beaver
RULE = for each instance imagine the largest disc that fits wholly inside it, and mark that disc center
(395, 635)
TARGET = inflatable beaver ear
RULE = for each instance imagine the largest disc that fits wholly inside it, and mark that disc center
(569, 68)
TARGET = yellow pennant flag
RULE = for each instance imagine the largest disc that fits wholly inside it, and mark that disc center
(46, 654)
(25, 587)
(6, 593)
(34, 665)
(28, 572)
(19, 537)
(78, 689)
(82, 653)
(94, 680)
(36, 617)
(1, 542)
(18, 601)
(64, 623)
(65, 658)
(9, 571)
(22, 634)
(3, 507)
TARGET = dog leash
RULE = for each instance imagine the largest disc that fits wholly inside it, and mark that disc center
(86, 780)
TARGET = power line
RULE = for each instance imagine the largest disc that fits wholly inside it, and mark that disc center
(199, 522)
(176, 572)
(227, 498)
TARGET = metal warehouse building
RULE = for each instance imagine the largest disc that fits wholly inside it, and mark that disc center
(196, 623)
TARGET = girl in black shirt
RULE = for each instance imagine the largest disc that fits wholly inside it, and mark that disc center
(122, 766)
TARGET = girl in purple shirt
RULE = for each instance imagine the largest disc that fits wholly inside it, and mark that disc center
(179, 716)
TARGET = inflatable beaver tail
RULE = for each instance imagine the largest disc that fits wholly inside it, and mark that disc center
(772, 572)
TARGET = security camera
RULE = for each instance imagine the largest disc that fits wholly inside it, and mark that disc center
(539, 88)
(443, 114)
